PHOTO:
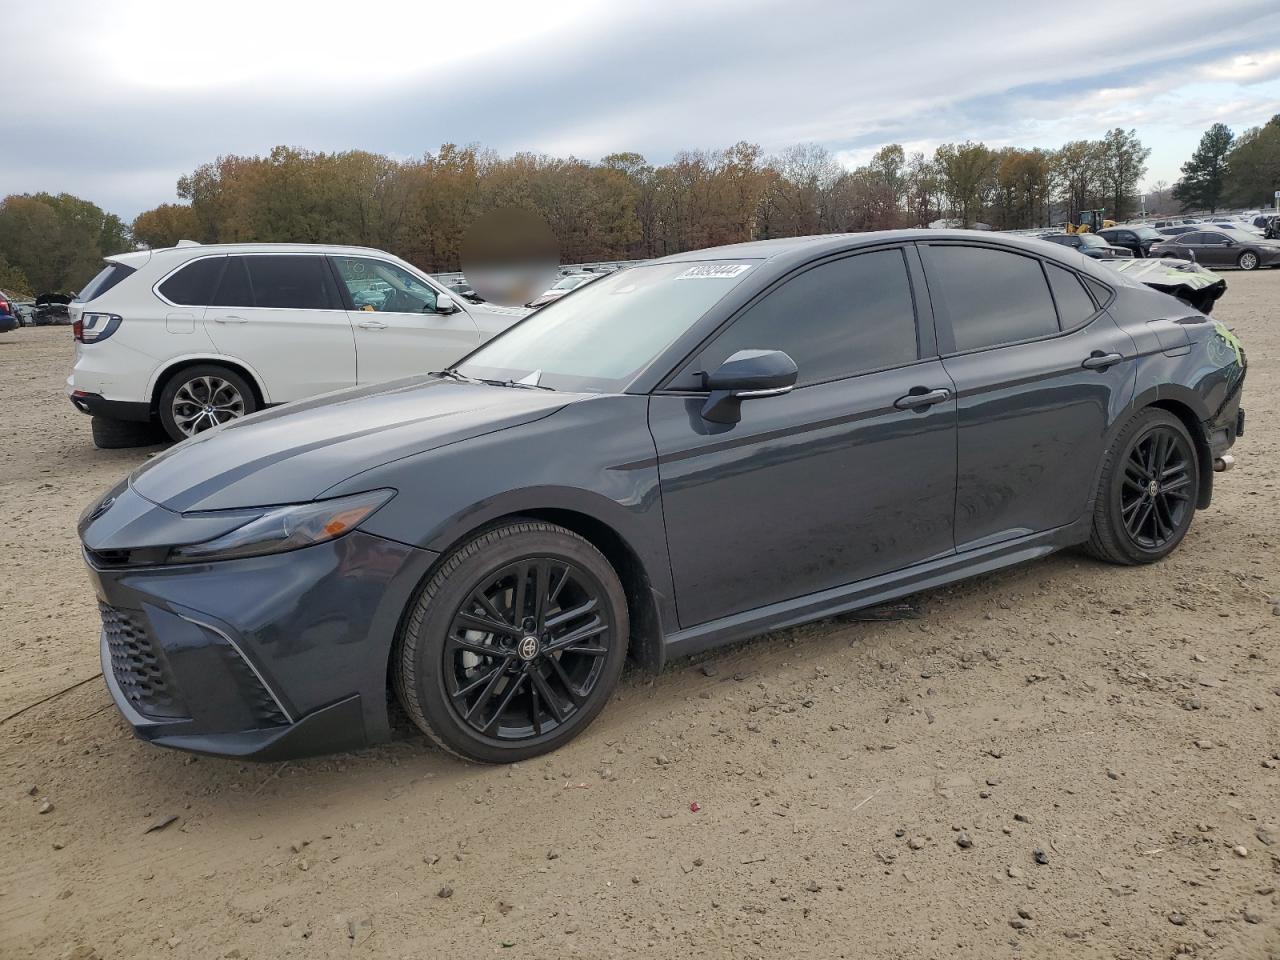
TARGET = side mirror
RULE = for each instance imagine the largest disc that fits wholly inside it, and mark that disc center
(747, 375)
(445, 303)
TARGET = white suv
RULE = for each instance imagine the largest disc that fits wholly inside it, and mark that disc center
(192, 336)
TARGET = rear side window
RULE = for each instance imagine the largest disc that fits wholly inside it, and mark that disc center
(234, 290)
(194, 284)
(991, 296)
(107, 278)
(835, 320)
(292, 282)
(1075, 306)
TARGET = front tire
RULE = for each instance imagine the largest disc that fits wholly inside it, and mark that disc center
(514, 645)
(1247, 261)
(1148, 491)
(202, 397)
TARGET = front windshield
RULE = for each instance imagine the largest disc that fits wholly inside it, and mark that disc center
(597, 340)
(1092, 240)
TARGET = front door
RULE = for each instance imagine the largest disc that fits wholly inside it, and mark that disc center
(1042, 372)
(398, 331)
(281, 315)
(848, 476)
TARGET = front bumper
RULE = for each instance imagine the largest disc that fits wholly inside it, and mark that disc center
(263, 658)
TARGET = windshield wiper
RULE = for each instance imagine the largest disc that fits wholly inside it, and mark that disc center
(454, 375)
(523, 384)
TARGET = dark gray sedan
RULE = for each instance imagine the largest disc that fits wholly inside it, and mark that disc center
(681, 455)
(1221, 248)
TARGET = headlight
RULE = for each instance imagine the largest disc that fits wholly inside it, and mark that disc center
(287, 528)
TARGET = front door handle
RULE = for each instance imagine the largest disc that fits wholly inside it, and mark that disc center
(1100, 361)
(921, 399)
(372, 325)
(229, 318)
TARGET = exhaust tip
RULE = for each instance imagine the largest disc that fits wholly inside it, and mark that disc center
(1224, 463)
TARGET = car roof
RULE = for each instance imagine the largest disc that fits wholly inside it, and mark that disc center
(819, 244)
(187, 250)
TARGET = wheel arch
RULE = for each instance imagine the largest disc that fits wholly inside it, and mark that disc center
(647, 640)
(1204, 456)
(166, 373)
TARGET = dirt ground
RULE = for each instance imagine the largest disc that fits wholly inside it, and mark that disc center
(864, 789)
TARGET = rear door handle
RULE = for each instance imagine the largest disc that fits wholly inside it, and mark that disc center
(372, 325)
(1100, 361)
(925, 398)
(229, 318)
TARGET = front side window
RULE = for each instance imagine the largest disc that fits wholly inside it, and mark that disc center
(835, 320)
(991, 296)
(194, 284)
(376, 285)
(292, 282)
(598, 339)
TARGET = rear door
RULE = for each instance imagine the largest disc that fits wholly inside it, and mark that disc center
(1041, 371)
(282, 315)
(850, 475)
(398, 330)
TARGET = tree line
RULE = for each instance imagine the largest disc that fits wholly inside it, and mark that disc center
(624, 207)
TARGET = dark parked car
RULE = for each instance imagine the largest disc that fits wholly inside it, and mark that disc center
(698, 449)
(1091, 245)
(51, 309)
(1137, 240)
(1221, 248)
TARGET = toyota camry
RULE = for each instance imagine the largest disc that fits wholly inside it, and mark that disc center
(679, 455)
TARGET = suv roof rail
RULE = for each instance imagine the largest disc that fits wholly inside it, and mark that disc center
(187, 243)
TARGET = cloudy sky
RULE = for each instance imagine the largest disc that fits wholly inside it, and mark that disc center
(113, 101)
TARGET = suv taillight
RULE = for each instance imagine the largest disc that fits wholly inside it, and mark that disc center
(92, 327)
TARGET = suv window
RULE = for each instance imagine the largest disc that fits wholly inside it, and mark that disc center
(385, 287)
(234, 289)
(1075, 306)
(194, 284)
(292, 282)
(835, 320)
(991, 296)
(107, 278)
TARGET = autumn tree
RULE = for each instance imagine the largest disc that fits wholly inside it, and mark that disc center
(966, 173)
(165, 225)
(58, 241)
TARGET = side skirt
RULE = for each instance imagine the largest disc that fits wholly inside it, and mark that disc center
(876, 590)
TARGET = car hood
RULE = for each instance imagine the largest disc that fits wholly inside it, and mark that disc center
(294, 453)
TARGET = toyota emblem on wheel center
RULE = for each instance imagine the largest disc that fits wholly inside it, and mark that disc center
(528, 648)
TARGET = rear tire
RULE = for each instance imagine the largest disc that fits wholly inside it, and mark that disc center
(112, 434)
(1148, 491)
(1247, 261)
(199, 398)
(514, 645)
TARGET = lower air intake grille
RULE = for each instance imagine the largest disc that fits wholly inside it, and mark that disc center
(139, 667)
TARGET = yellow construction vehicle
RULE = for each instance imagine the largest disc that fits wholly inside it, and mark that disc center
(1089, 221)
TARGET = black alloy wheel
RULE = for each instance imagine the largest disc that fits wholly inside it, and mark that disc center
(1149, 490)
(514, 644)
(526, 648)
(1155, 496)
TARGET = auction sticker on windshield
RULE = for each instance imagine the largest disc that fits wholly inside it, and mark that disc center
(714, 271)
